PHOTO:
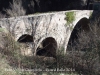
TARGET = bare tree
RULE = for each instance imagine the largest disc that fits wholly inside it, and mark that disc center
(16, 9)
(88, 2)
(2, 15)
(86, 52)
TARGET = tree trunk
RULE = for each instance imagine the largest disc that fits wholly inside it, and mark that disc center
(88, 2)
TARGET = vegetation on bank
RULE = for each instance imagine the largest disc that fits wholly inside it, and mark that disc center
(83, 57)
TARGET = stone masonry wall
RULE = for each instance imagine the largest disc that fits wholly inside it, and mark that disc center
(41, 26)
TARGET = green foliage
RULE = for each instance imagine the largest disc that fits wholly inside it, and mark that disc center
(1, 29)
(70, 17)
(91, 14)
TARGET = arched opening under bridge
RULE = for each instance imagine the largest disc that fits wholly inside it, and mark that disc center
(25, 38)
(82, 25)
(26, 44)
(47, 47)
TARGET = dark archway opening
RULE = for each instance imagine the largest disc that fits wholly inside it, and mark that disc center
(82, 25)
(25, 38)
(47, 48)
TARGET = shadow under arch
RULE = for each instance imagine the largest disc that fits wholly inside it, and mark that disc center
(82, 25)
(25, 38)
(47, 47)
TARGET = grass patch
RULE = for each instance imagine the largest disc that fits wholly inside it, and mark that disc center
(70, 17)
(2, 30)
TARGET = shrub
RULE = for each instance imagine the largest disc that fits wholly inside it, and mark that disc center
(86, 51)
(16, 9)
(70, 17)
(2, 15)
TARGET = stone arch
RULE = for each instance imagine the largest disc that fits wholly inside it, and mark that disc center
(25, 38)
(26, 45)
(81, 25)
(47, 47)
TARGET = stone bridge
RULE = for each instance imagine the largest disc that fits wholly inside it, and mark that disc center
(53, 29)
